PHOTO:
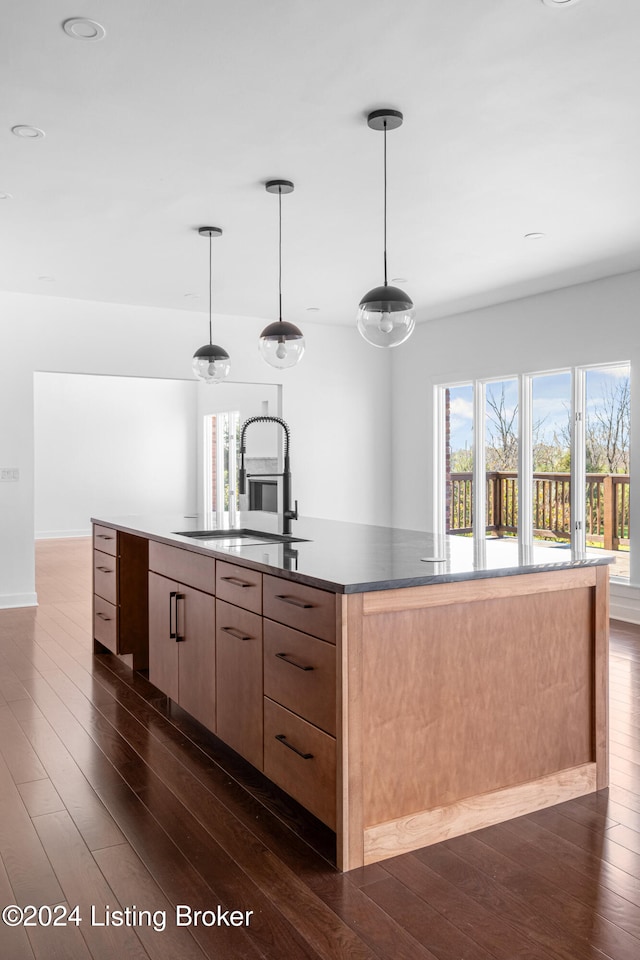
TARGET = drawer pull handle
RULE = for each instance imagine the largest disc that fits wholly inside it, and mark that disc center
(295, 602)
(173, 615)
(300, 666)
(103, 536)
(235, 633)
(179, 635)
(236, 582)
(102, 616)
(104, 569)
(283, 740)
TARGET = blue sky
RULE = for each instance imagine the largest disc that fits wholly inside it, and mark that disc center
(551, 399)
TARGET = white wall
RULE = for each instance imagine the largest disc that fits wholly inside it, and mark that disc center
(588, 323)
(111, 446)
(336, 401)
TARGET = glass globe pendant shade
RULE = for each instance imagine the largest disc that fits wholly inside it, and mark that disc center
(211, 363)
(386, 316)
(281, 344)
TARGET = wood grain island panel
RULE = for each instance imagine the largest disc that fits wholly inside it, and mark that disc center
(399, 715)
(469, 713)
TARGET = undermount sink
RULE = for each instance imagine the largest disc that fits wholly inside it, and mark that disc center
(232, 537)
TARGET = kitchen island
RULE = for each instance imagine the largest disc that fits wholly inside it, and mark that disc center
(404, 688)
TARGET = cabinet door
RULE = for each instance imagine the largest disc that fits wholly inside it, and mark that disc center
(239, 671)
(163, 649)
(196, 616)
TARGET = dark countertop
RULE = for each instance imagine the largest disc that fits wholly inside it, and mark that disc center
(354, 557)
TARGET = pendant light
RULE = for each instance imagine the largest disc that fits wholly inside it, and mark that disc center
(211, 363)
(281, 343)
(385, 317)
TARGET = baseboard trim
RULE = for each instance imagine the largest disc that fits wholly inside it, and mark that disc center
(10, 601)
(624, 601)
(62, 534)
(394, 837)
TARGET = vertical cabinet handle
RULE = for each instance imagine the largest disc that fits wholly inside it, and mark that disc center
(179, 633)
(173, 616)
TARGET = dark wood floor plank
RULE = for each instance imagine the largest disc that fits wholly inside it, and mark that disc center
(567, 917)
(620, 856)
(592, 899)
(492, 920)
(627, 798)
(29, 871)
(10, 686)
(577, 859)
(18, 753)
(133, 884)
(89, 814)
(430, 928)
(625, 836)
(85, 886)
(40, 797)
(14, 943)
(58, 943)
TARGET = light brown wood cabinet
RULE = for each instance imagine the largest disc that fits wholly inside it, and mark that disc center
(182, 647)
(239, 680)
(399, 716)
(120, 562)
(300, 684)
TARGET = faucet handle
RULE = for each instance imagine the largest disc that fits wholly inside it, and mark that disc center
(295, 510)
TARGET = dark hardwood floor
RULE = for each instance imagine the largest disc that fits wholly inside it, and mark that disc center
(108, 798)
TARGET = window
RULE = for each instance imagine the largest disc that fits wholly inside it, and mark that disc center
(552, 447)
(221, 464)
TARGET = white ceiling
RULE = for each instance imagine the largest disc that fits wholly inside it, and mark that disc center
(518, 118)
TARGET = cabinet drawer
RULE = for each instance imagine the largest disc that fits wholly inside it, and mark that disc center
(105, 539)
(192, 569)
(239, 680)
(299, 606)
(105, 623)
(300, 673)
(105, 576)
(239, 586)
(302, 760)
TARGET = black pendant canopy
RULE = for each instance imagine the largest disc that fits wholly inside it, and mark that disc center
(281, 342)
(211, 363)
(385, 315)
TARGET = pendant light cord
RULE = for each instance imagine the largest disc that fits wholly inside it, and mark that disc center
(385, 203)
(280, 253)
(210, 257)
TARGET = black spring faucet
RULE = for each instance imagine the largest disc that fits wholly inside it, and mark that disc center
(288, 514)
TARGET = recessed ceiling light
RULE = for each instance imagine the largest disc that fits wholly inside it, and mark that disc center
(192, 296)
(47, 279)
(399, 280)
(313, 309)
(559, 3)
(5, 196)
(534, 236)
(26, 132)
(80, 29)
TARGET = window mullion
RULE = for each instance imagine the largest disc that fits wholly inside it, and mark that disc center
(578, 461)
(479, 464)
(525, 466)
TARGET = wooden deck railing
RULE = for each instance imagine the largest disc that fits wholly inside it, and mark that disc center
(607, 506)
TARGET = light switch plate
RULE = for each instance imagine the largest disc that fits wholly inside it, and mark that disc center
(9, 474)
